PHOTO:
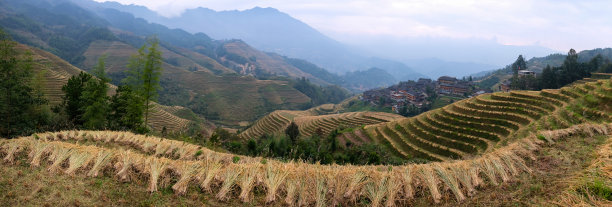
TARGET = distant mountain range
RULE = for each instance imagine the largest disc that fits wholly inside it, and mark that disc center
(270, 30)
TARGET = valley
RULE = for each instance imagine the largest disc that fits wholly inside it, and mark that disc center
(174, 104)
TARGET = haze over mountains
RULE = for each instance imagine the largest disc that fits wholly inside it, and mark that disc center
(269, 29)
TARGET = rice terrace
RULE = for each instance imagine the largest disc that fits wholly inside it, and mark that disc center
(274, 103)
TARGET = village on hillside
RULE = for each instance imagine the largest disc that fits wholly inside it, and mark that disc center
(421, 93)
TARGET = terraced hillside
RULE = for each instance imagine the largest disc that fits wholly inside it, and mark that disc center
(57, 72)
(310, 121)
(513, 134)
(479, 124)
(224, 95)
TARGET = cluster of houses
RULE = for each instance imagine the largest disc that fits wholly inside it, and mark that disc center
(416, 92)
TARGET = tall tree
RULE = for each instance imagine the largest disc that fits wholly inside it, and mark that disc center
(95, 101)
(72, 100)
(548, 78)
(17, 97)
(151, 74)
(144, 72)
(570, 70)
(519, 64)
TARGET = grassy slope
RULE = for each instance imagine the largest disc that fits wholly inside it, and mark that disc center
(57, 72)
(226, 94)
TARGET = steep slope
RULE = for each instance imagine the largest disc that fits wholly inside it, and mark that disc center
(479, 124)
(193, 77)
(224, 95)
(57, 72)
(539, 167)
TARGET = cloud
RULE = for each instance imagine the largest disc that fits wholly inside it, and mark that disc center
(558, 24)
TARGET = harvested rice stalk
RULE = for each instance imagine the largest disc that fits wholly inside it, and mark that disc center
(247, 182)
(186, 170)
(275, 176)
(376, 189)
(292, 187)
(209, 172)
(78, 160)
(102, 159)
(356, 182)
(506, 158)
(38, 150)
(157, 168)
(13, 148)
(59, 155)
(394, 188)
(406, 178)
(450, 180)
(488, 170)
(463, 174)
(231, 175)
(126, 160)
(427, 175)
(499, 167)
(338, 181)
(320, 191)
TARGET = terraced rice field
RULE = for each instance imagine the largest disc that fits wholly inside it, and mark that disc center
(276, 122)
(476, 125)
(184, 167)
(160, 118)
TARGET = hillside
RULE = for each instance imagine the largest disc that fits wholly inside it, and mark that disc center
(270, 30)
(194, 76)
(493, 78)
(57, 72)
(312, 122)
(479, 124)
(551, 160)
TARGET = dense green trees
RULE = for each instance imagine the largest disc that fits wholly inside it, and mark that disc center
(556, 77)
(96, 103)
(320, 94)
(73, 101)
(88, 106)
(18, 99)
(127, 111)
(322, 149)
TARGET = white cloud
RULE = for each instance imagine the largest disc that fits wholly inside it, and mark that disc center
(557, 24)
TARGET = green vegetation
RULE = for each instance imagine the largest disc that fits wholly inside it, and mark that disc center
(320, 94)
(144, 72)
(556, 77)
(20, 103)
(443, 100)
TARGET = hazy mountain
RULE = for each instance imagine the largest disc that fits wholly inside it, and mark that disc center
(435, 57)
(269, 30)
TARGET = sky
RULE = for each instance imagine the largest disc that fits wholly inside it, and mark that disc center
(555, 24)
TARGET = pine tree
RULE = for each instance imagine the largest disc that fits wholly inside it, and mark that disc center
(150, 75)
(548, 79)
(95, 101)
(144, 72)
(73, 100)
(519, 64)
